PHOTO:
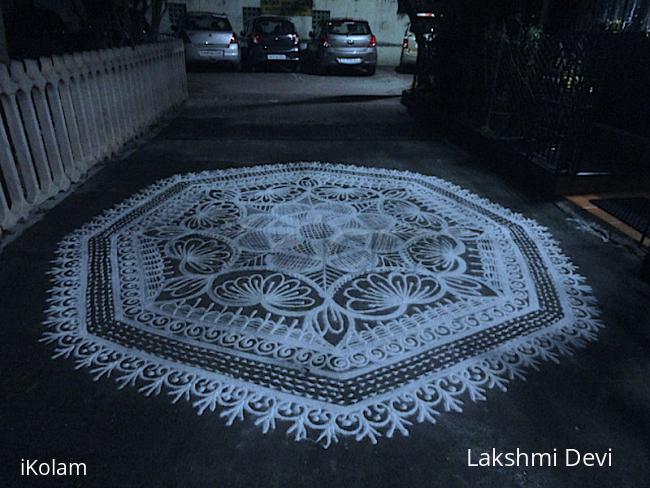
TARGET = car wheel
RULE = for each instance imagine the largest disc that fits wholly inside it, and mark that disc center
(319, 69)
(370, 70)
(236, 67)
(308, 65)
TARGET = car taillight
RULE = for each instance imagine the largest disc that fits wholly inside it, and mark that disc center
(233, 39)
(257, 39)
(373, 41)
(295, 39)
(324, 41)
(405, 43)
(185, 37)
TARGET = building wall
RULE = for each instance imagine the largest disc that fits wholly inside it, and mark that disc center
(385, 22)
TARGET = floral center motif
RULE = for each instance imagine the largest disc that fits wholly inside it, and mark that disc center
(339, 259)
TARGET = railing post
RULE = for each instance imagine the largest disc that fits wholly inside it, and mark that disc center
(124, 112)
(54, 69)
(17, 207)
(150, 54)
(88, 100)
(32, 129)
(150, 77)
(80, 111)
(107, 93)
(97, 101)
(46, 122)
(64, 136)
(130, 73)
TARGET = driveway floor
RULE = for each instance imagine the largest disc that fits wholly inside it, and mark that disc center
(596, 399)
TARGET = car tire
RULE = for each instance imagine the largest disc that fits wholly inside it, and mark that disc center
(313, 69)
(309, 66)
(371, 70)
(319, 69)
(400, 66)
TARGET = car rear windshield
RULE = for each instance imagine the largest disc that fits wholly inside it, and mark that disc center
(206, 22)
(348, 27)
(274, 26)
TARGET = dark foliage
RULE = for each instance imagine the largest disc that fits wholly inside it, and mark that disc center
(33, 31)
(563, 86)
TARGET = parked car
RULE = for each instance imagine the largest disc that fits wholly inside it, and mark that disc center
(342, 42)
(209, 38)
(409, 54)
(270, 39)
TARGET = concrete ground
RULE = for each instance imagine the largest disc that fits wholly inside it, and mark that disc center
(597, 399)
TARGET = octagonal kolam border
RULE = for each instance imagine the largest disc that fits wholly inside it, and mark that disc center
(444, 377)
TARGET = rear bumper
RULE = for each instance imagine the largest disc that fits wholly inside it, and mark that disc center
(197, 53)
(349, 56)
(281, 55)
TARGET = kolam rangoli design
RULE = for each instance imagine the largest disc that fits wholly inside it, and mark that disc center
(334, 300)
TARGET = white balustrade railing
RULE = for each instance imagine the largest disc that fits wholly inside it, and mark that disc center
(59, 116)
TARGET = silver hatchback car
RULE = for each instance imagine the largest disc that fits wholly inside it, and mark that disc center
(209, 38)
(342, 42)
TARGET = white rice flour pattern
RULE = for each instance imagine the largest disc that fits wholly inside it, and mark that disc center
(336, 300)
